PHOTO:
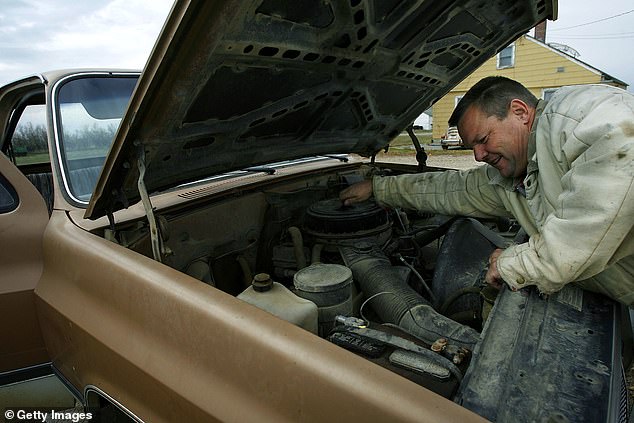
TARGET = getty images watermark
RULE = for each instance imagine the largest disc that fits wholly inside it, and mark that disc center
(32, 415)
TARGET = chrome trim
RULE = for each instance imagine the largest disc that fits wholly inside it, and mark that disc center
(92, 388)
(54, 116)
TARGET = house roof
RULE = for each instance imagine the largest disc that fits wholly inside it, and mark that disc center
(605, 77)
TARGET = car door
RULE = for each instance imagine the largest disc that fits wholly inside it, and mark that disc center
(23, 218)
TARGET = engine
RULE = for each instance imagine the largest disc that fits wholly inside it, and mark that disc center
(400, 288)
(404, 290)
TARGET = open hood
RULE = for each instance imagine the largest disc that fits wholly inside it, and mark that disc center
(232, 84)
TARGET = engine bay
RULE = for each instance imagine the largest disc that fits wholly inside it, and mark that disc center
(386, 284)
(401, 288)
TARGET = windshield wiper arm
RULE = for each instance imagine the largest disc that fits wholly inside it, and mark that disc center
(257, 169)
(341, 158)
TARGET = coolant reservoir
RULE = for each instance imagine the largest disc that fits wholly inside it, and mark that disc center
(281, 302)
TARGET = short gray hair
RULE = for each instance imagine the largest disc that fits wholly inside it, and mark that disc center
(492, 95)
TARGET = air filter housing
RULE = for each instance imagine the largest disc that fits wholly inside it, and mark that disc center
(331, 219)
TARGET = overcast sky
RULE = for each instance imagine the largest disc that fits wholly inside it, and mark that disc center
(38, 35)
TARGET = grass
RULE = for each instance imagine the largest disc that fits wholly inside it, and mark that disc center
(402, 146)
(403, 139)
(33, 158)
(43, 157)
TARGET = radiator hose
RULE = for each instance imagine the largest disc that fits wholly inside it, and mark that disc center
(396, 302)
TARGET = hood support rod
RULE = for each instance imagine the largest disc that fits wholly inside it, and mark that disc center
(421, 156)
(155, 238)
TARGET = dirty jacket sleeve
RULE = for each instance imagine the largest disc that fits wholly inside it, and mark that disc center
(585, 209)
(466, 192)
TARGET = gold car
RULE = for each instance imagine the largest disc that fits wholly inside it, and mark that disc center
(174, 250)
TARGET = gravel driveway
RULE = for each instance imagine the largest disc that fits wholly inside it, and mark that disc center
(447, 160)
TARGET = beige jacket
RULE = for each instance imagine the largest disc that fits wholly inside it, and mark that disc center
(579, 204)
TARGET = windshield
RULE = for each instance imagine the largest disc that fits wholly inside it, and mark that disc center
(90, 109)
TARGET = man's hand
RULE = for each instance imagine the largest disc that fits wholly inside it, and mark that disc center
(493, 277)
(356, 193)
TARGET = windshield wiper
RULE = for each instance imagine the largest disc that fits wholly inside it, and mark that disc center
(340, 157)
(263, 169)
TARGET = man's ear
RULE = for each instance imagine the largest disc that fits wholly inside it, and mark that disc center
(520, 109)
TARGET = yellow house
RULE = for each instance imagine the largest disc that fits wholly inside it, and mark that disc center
(538, 66)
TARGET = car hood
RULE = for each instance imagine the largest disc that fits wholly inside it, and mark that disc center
(233, 84)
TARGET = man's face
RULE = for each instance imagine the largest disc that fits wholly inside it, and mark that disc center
(502, 143)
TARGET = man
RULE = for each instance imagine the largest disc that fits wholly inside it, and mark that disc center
(564, 170)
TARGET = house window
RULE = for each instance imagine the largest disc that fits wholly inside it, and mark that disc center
(547, 93)
(506, 57)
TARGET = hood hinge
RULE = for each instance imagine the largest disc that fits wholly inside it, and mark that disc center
(155, 236)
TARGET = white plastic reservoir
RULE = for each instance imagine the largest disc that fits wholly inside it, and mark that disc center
(281, 302)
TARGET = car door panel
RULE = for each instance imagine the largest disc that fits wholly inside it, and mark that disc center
(21, 231)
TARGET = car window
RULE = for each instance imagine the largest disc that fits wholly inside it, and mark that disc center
(90, 110)
(29, 140)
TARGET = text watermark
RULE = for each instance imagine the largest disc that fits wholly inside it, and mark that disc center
(41, 415)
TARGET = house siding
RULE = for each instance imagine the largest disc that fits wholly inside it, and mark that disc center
(536, 67)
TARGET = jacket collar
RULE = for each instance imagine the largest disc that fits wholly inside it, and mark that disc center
(532, 138)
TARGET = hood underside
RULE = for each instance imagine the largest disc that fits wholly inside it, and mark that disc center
(233, 84)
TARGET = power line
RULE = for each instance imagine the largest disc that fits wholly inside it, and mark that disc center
(594, 38)
(616, 34)
(589, 23)
(612, 36)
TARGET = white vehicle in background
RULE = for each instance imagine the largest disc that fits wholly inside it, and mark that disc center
(451, 139)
